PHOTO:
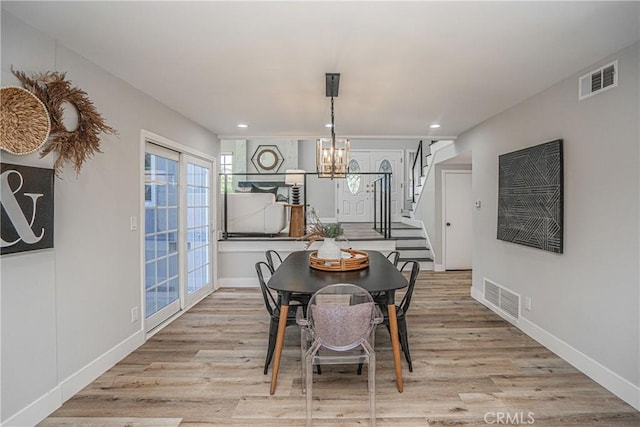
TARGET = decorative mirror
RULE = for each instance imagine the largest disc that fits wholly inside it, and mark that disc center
(267, 158)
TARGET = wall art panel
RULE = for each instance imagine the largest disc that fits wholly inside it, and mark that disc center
(530, 197)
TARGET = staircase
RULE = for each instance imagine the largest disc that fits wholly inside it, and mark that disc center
(420, 177)
(412, 244)
(411, 240)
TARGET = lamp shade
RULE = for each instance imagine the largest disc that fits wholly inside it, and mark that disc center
(294, 177)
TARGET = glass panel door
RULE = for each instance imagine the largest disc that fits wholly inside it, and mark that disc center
(162, 250)
(198, 228)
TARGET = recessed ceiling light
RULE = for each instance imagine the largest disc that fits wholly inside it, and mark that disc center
(328, 125)
(243, 125)
(434, 126)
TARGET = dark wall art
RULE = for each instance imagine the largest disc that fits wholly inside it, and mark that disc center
(530, 197)
(26, 196)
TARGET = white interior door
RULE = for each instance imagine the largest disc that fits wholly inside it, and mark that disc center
(355, 193)
(354, 197)
(456, 215)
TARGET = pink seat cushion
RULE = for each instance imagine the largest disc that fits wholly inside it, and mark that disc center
(339, 326)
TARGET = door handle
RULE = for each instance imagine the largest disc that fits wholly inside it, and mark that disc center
(448, 224)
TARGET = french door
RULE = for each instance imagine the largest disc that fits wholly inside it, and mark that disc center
(355, 193)
(198, 229)
(177, 230)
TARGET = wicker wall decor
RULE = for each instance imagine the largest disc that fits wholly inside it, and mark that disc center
(76, 145)
(24, 121)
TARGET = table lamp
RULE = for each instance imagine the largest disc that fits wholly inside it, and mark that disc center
(295, 178)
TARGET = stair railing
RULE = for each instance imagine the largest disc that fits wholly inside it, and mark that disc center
(382, 204)
(419, 155)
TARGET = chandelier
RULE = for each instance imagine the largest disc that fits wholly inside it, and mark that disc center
(332, 155)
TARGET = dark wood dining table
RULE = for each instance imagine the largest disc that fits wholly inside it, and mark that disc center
(296, 276)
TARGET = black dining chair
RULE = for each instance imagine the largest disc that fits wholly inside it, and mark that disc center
(394, 257)
(273, 308)
(274, 259)
(401, 309)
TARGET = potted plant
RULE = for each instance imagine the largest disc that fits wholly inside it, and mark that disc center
(316, 230)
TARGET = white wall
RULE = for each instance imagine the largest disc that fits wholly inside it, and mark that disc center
(585, 302)
(66, 311)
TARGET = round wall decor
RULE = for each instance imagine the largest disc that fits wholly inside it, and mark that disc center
(24, 121)
(75, 145)
(267, 158)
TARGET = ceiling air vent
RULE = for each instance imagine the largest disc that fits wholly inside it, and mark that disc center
(502, 299)
(598, 81)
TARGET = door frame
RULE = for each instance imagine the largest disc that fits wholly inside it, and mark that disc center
(153, 138)
(399, 180)
(443, 211)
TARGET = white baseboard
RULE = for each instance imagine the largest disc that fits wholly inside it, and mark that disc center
(613, 382)
(438, 267)
(238, 282)
(77, 381)
(49, 402)
(37, 410)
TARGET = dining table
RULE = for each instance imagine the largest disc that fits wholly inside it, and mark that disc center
(296, 276)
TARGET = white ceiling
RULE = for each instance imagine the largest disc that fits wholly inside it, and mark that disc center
(404, 65)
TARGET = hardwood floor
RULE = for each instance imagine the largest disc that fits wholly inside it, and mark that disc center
(470, 367)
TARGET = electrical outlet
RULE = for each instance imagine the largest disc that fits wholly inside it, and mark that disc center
(134, 314)
(133, 223)
(527, 303)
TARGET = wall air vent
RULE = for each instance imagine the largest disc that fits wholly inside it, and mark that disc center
(598, 81)
(502, 299)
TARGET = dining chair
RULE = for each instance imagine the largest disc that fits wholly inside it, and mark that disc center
(274, 259)
(273, 308)
(401, 310)
(394, 257)
(339, 328)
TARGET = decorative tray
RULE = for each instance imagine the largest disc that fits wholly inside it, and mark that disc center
(351, 260)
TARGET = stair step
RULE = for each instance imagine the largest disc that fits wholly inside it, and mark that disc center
(411, 248)
(423, 259)
(414, 254)
(406, 232)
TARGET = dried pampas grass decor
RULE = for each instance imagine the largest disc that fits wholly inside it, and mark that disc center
(76, 145)
(24, 121)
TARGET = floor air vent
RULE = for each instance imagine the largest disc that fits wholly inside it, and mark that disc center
(502, 299)
(598, 81)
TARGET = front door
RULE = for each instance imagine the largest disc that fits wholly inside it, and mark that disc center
(355, 193)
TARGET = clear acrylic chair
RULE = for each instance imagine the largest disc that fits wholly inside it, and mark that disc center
(339, 328)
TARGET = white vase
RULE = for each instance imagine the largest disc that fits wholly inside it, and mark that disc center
(329, 249)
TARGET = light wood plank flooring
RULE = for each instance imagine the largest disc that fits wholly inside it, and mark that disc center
(469, 366)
